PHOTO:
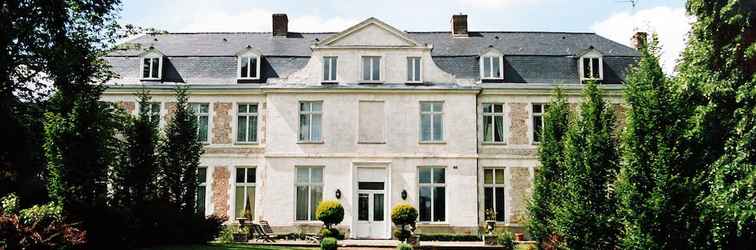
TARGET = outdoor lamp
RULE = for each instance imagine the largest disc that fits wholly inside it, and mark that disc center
(338, 194)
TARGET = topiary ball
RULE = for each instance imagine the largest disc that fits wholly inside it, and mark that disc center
(404, 246)
(403, 214)
(329, 243)
(330, 212)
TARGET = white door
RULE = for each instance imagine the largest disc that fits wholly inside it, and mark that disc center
(370, 213)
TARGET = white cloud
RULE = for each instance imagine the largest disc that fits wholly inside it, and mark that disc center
(495, 3)
(260, 20)
(671, 24)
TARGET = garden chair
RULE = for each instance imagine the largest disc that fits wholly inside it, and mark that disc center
(264, 232)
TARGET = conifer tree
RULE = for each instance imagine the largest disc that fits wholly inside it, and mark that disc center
(587, 218)
(549, 179)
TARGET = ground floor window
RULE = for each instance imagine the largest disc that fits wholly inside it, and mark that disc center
(201, 186)
(245, 192)
(493, 192)
(309, 192)
(432, 203)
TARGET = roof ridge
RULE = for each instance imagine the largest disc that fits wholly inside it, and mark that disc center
(509, 31)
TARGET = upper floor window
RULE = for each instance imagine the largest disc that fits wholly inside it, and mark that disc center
(249, 66)
(431, 122)
(491, 64)
(329, 68)
(153, 111)
(310, 118)
(413, 69)
(371, 68)
(152, 67)
(591, 65)
(246, 123)
(202, 114)
(493, 123)
(538, 110)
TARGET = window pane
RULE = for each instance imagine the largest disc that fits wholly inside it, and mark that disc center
(203, 108)
(596, 69)
(317, 195)
(438, 127)
(376, 68)
(487, 128)
(317, 175)
(425, 127)
(201, 199)
(334, 64)
(302, 194)
(500, 214)
(487, 108)
(425, 204)
(409, 69)
(241, 127)
(303, 175)
(239, 202)
(326, 68)
(201, 175)
(439, 204)
(486, 66)
(304, 106)
(252, 108)
(244, 69)
(240, 175)
(498, 128)
(365, 68)
(252, 129)
(251, 201)
(498, 108)
(488, 176)
(417, 69)
(202, 128)
(377, 207)
(537, 108)
(155, 67)
(439, 175)
(146, 68)
(304, 128)
(499, 178)
(362, 207)
(496, 67)
(316, 106)
(537, 127)
(425, 106)
(251, 175)
(316, 128)
(425, 175)
(243, 108)
(586, 67)
(253, 67)
(488, 199)
(438, 107)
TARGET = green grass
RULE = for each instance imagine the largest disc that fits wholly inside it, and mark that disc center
(218, 246)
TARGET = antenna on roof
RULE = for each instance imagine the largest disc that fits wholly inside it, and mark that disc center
(633, 4)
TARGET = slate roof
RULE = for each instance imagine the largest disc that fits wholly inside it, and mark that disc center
(530, 57)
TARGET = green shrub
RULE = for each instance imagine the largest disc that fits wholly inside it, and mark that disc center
(332, 232)
(402, 234)
(330, 212)
(506, 240)
(404, 246)
(403, 214)
(448, 237)
(329, 243)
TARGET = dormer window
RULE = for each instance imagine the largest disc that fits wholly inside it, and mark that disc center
(491, 66)
(371, 68)
(329, 68)
(249, 66)
(152, 67)
(590, 65)
(414, 72)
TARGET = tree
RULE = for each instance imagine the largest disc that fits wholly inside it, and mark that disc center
(180, 153)
(717, 70)
(549, 180)
(588, 219)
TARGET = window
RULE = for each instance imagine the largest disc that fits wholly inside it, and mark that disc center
(371, 68)
(591, 68)
(493, 191)
(153, 111)
(413, 69)
(249, 67)
(202, 113)
(244, 202)
(491, 67)
(371, 122)
(309, 191)
(538, 110)
(432, 181)
(310, 117)
(246, 123)
(201, 186)
(431, 122)
(493, 123)
(329, 68)
(152, 68)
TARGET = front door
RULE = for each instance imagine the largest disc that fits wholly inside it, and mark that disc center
(371, 216)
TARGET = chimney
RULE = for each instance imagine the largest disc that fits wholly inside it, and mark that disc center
(459, 25)
(639, 39)
(280, 24)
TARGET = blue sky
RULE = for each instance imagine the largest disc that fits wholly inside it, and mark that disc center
(615, 19)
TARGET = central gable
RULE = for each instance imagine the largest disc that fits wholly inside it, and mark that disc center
(369, 33)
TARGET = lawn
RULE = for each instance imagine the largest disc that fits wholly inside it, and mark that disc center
(217, 246)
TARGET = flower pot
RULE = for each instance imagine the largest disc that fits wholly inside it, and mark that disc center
(413, 240)
(519, 236)
(490, 226)
(240, 237)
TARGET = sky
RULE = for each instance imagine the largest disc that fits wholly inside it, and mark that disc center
(614, 19)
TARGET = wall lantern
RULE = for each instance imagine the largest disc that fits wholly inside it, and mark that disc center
(338, 194)
(404, 194)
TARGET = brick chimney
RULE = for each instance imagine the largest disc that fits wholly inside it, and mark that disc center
(459, 25)
(639, 39)
(280, 24)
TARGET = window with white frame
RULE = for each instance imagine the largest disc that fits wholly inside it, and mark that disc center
(431, 122)
(309, 192)
(432, 194)
(491, 66)
(371, 68)
(152, 67)
(537, 113)
(244, 202)
(202, 114)
(493, 123)
(310, 119)
(201, 189)
(153, 111)
(591, 68)
(330, 64)
(249, 66)
(493, 192)
(246, 123)
(413, 69)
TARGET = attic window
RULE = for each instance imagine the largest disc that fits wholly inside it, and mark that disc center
(491, 66)
(152, 67)
(591, 68)
(249, 66)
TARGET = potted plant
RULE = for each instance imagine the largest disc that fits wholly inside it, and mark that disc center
(240, 234)
(331, 213)
(490, 221)
(404, 215)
